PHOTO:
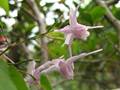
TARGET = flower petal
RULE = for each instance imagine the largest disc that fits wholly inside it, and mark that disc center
(69, 38)
(66, 29)
(80, 31)
(66, 70)
(41, 68)
(73, 18)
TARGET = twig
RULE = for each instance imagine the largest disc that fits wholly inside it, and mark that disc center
(10, 46)
(17, 43)
(6, 57)
(109, 14)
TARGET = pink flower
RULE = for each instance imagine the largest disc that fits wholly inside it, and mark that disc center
(75, 30)
(34, 73)
(66, 70)
(59, 65)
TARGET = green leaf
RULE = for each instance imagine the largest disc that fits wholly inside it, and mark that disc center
(97, 13)
(10, 78)
(17, 79)
(117, 14)
(45, 84)
(85, 16)
(5, 5)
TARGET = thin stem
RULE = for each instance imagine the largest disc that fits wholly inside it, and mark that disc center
(70, 54)
(70, 50)
(110, 17)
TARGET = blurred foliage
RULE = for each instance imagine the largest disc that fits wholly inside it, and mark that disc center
(10, 78)
(45, 84)
(96, 72)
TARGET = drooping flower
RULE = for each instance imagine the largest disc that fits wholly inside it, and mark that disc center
(66, 70)
(75, 30)
(59, 65)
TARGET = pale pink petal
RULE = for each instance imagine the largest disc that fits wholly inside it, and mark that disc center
(70, 69)
(73, 18)
(56, 61)
(66, 29)
(69, 38)
(50, 69)
(44, 66)
(38, 70)
(80, 31)
(66, 70)
(74, 58)
(36, 75)
(85, 35)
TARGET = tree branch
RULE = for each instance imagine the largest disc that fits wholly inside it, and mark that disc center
(42, 28)
(112, 19)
